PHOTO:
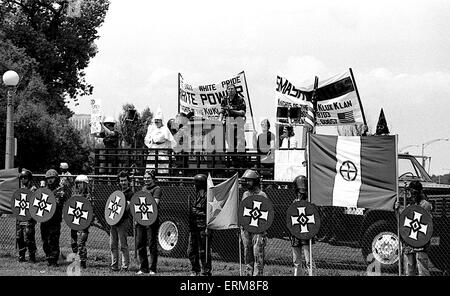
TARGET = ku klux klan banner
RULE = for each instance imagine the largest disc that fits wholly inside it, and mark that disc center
(291, 101)
(356, 172)
(204, 100)
(336, 97)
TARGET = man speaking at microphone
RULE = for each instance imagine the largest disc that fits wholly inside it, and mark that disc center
(232, 115)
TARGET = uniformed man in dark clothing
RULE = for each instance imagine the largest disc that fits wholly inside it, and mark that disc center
(25, 234)
(51, 229)
(233, 116)
(148, 235)
(80, 237)
(417, 261)
(197, 229)
(300, 246)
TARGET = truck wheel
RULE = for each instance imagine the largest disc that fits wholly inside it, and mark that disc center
(381, 241)
(173, 238)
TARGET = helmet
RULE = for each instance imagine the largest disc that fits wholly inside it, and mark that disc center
(301, 183)
(200, 178)
(25, 174)
(415, 185)
(250, 174)
(200, 181)
(151, 173)
(109, 119)
(51, 173)
(64, 166)
(82, 178)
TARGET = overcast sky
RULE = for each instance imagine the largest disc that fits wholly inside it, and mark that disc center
(399, 52)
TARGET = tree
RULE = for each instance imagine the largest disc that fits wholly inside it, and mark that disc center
(43, 140)
(30, 88)
(61, 45)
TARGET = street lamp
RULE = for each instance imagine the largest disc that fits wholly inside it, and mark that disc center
(10, 79)
(428, 143)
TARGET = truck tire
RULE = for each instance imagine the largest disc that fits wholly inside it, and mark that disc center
(173, 237)
(380, 243)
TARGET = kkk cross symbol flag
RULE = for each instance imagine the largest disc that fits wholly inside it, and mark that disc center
(78, 212)
(144, 208)
(256, 213)
(20, 204)
(416, 226)
(303, 220)
(43, 205)
(115, 207)
(348, 171)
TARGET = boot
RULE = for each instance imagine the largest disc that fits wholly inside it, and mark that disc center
(32, 257)
(83, 264)
(22, 258)
(52, 262)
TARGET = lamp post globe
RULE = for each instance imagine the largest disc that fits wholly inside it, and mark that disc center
(10, 78)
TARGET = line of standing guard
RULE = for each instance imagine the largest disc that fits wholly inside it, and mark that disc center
(199, 252)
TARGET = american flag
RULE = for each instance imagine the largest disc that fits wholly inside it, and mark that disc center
(309, 118)
(310, 115)
(346, 117)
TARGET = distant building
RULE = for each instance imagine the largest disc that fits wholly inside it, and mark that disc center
(80, 121)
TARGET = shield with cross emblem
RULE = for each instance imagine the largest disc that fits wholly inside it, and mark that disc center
(115, 207)
(144, 208)
(303, 219)
(42, 205)
(256, 213)
(78, 212)
(416, 226)
(20, 204)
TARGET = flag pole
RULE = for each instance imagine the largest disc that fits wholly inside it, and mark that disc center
(249, 103)
(179, 74)
(397, 210)
(206, 250)
(357, 95)
(309, 200)
(239, 229)
(240, 256)
(308, 134)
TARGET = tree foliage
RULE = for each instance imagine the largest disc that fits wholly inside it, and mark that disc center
(49, 50)
(442, 179)
(62, 45)
(45, 140)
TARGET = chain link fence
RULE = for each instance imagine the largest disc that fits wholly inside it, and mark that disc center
(356, 239)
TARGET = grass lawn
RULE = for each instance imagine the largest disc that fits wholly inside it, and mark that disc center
(99, 266)
(330, 260)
